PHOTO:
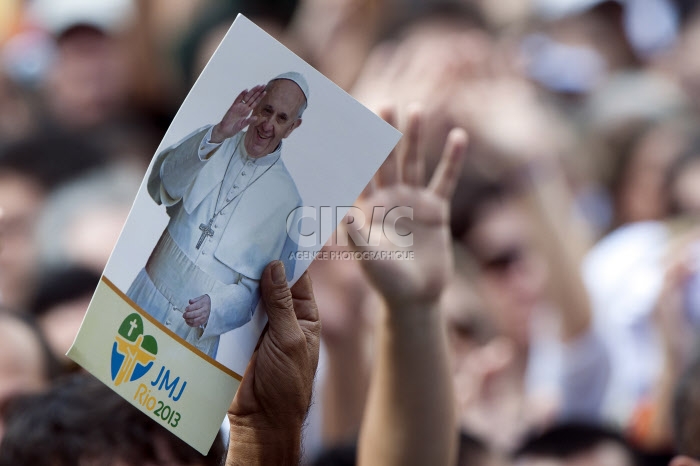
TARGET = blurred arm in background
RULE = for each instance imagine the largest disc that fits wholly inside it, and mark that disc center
(410, 417)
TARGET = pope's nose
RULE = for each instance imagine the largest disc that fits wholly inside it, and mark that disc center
(267, 125)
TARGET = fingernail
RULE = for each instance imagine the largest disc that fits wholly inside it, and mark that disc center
(278, 275)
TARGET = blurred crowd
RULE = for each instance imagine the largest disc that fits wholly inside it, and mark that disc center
(572, 317)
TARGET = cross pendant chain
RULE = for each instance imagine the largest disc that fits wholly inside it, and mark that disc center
(206, 230)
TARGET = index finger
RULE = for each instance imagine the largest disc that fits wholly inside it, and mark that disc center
(307, 314)
(303, 297)
(197, 299)
(194, 313)
(195, 306)
(250, 95)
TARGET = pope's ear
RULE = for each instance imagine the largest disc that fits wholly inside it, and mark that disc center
(684, 461)
(294, 126)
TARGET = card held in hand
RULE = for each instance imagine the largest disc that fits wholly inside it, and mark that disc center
(262, 161)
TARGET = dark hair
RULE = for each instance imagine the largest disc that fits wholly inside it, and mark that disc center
(566, 440)
(473, 451)
(80, 419)
(458, 13)
(61, 284)
(81, 28)
(686, 410)
(476, 195)
(686, 9)
(338, 455)
(223, 12)
(50, 157)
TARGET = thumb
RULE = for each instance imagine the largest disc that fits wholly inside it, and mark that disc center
(277, 298)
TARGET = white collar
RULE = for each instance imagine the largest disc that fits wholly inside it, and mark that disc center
(263, 161)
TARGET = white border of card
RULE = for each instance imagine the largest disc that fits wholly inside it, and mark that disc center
(331, 157)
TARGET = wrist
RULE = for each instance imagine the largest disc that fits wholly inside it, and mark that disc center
(418, 308)
(216, 136)
(418, 315)
(262, 445)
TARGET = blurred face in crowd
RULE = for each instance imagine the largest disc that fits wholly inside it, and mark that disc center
(478, 357)
(684, 461)
(606, 454)
(470, 329)
(465, 318)
(512, 272)
(277, 115)
(87, 84)
(21, 362)
(599, 30)
(20, 202)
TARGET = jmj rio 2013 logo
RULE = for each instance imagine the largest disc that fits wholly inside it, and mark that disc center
(133, 355)
(133, 352)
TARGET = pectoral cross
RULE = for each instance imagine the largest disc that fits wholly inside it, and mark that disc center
(206, 231)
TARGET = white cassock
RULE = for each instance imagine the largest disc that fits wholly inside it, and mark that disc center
(249, 200)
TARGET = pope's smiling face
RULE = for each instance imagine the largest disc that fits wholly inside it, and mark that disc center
(277, 115)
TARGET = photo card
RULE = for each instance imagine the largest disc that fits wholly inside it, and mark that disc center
(263, 159)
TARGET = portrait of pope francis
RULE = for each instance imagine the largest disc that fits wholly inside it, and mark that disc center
(228, 194)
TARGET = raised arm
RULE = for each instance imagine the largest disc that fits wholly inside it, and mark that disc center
(409, 417)
(176, 167)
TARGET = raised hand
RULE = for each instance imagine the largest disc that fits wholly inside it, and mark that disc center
(400, 182)
(237, 116)
(411, 394)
